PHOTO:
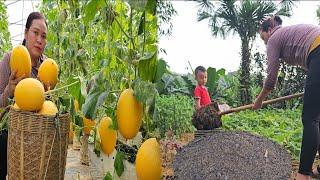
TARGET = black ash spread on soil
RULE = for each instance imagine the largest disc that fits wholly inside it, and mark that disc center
(232, 155)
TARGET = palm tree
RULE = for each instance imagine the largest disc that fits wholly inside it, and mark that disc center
(242, 18)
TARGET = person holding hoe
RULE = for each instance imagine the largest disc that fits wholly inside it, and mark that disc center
(296, 45)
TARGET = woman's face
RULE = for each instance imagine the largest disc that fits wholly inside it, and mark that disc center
(36, 38)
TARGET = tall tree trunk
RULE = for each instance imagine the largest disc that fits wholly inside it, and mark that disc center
(245, 94)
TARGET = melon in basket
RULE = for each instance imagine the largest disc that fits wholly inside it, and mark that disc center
(29, 94)
(48, 108)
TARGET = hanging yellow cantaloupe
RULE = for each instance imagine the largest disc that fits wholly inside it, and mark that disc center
(48, 72)
(129, 114)
(148, 162)
(108, 136)
(88, 125)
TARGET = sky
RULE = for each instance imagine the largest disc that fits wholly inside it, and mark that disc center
(17, 11)
(190, 40)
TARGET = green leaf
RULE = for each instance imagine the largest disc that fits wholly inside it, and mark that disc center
(147, 66)
(139, 5)
(167, 79)
(108, 176)
(92, 8)
(142, 23)
(118, 163)
(145, 92)
(161, 69)
(213, 77)
(78, 90)
(96, 96)
(151, 6)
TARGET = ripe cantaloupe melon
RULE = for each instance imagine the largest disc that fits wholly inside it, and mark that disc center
(20, 61)
(148, 162)
(108, 136)
(48, 108)
(129, 114)
(88, 125)
(29, 94)
(48, 72)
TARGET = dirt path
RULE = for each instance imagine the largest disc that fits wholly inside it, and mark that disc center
(76, 171)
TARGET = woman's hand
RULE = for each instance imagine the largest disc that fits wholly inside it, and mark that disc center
(257, 104)
(13, 81)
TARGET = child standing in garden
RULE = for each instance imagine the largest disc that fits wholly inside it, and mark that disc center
(205, 116)
(201, 93)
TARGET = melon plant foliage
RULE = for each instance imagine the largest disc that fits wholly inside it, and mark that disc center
(106, 47)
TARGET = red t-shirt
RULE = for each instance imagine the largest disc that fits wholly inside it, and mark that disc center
(202, 93)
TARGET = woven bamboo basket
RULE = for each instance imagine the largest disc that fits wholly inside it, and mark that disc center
(37, 145)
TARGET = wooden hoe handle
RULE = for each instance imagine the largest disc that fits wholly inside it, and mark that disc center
(271, 101)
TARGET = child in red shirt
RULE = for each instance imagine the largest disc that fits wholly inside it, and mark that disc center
(201, 93)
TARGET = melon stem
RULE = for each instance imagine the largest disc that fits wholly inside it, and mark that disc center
(60, 88)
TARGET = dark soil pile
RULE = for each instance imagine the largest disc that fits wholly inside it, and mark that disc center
(232, 155)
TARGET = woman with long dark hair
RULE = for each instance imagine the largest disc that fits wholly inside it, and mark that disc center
(296, 45)
(35, 40)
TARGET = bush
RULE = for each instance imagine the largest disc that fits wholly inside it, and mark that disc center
(173, 112)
